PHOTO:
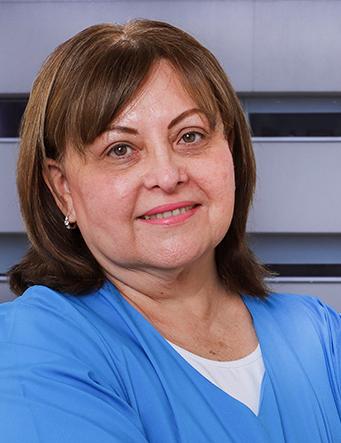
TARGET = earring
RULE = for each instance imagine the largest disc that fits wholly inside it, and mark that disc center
(68, 224)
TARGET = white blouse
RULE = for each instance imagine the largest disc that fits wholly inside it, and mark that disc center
(242, 379)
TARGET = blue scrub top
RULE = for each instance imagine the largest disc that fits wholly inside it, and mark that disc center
(92, 369)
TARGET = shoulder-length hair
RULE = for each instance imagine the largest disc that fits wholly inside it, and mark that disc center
(82, 86)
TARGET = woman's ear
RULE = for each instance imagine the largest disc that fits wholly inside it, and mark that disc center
(55, 179)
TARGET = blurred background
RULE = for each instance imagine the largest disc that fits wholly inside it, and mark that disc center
(284, 59)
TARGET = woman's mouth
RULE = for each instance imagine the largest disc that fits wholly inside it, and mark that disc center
(169, 216)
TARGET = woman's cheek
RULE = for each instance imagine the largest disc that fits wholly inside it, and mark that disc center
(217, 176)
(110, 196)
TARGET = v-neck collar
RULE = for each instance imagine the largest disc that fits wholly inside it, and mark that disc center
(148, 326)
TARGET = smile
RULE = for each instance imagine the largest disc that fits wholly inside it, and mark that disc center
(170, 214)
(167, 214)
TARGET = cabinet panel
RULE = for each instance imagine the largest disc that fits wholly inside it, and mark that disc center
(224, 27)
(5, 293)
(264, 45)
(298, 187)
(10, 218)
(328, 292)
(297, 46)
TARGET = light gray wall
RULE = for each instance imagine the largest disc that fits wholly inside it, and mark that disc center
(264, 45)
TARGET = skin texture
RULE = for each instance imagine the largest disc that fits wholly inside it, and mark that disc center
(166, 270)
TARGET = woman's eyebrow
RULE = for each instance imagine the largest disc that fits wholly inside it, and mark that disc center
(119, 128)
(174, 122)
(185, 114)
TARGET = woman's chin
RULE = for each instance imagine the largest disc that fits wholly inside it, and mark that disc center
(177, 258)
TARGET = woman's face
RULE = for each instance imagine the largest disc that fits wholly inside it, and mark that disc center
(157, 190)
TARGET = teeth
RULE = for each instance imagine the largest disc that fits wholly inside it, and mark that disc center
(168, 214)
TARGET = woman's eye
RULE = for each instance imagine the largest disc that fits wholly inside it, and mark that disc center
(120, 151)
(192, 137)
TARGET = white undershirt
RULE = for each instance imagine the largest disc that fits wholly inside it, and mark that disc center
(241, 379)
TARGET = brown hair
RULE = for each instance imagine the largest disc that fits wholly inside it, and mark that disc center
(80, 89)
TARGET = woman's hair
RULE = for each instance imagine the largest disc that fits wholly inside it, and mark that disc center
(82, 86)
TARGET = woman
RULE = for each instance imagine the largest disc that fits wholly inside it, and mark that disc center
(135, 177)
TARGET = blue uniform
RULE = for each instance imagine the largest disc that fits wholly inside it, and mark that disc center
(92, 369)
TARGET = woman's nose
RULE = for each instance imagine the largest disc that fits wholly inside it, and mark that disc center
(166, 172)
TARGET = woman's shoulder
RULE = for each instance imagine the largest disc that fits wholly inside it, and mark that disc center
(297, 312)
(36, 307)
(298, 304)
(43, 319)
(45, 305)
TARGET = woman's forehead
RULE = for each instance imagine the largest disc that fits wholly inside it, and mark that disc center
(164, 91)
(163, 83)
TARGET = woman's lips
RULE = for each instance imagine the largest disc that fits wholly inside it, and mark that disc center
(170, 214)
(169, 207)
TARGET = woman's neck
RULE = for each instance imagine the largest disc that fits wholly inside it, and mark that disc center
(194, 293)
